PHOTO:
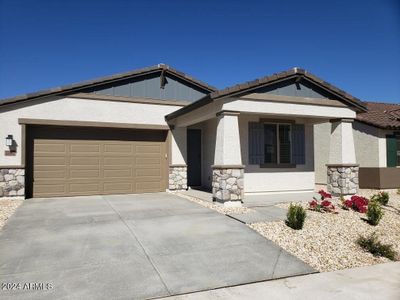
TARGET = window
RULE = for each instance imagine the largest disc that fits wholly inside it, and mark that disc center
(398, 150)
(272, 144)
(393, 150)
(277, 143)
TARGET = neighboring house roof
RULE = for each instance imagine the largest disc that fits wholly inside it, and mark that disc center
(381, 115)
(295, 73)
(76, 87)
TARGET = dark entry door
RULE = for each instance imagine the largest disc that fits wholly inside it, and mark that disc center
(194, 157)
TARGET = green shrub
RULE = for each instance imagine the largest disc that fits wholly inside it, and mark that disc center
(375, 247)
(374, 212)
(381, 197)
(295, 216)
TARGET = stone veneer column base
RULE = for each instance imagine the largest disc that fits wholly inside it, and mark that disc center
(342, 179)
(12, 182)
(227, 184)
(177, 177)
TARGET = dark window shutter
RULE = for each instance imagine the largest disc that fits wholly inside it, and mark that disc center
(298, 144)
(256, 143)
(391, 151)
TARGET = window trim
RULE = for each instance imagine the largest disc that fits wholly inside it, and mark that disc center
(278, 164)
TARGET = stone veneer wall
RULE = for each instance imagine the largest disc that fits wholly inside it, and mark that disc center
(227, 183)
(177, 177)
(342, 179)
(12, 182)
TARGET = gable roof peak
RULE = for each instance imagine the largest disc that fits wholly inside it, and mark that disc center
(71, 88)
(299, 70)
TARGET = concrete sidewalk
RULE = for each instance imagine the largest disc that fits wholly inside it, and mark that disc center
(372, 282)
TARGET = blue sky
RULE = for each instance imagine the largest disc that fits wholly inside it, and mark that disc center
(354, 45)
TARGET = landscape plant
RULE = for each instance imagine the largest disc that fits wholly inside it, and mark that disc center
(381, 197)
(357, 203)
(374, 212)
(296, 216)
(375, 247)
(322, 204)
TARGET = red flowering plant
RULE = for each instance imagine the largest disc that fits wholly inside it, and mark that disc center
(322, 205)
(356, 203)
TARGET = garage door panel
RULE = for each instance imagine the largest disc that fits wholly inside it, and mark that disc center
(120, 149)
(148, 149)
(71, 167)
(118, 173)
(84, 161)
(50, 148)
(118, 187)
(146, 186)
(148, 172)
(46, 189)
(84, 148)
(140, 161)
(85, 188)
(85, 173)
(50, 161)
(112, 161)
(49, 174)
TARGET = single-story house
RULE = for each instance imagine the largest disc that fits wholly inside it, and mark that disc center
(157, 128)
(377, 144)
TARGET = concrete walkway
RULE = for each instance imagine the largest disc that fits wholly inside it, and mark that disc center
(132, 247)
(261, 214)
(373, 283)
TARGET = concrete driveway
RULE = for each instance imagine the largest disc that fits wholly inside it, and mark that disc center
(131, 246)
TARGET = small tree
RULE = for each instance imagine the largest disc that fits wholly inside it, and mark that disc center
(381, 197)
(295, 216)
(374, 212)
(375, 247)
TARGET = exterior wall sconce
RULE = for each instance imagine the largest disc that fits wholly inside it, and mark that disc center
(10, 143)
(9, 140)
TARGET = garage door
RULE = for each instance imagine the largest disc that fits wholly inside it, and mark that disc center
(81, 161)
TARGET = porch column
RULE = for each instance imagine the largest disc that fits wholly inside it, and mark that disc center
(178, 166)
(342, 167)
(228, 171)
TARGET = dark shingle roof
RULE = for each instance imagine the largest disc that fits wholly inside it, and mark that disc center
(269, 80)
(382, 115)
(61, 90)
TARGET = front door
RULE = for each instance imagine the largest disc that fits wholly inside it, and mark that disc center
(194, 157)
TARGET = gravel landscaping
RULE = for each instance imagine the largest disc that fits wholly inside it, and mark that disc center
(7, 208)
(327, 241)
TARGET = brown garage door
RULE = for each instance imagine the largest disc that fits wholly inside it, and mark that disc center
(92, 162)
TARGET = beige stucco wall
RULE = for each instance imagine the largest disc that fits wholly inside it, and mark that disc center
(209, 129)
(371, 145)
(74, 109)
(369, 141)
(366, 139)
(322, 140)
(288, 109)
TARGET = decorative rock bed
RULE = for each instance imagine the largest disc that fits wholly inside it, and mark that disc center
(7, 208)
(327, 241)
